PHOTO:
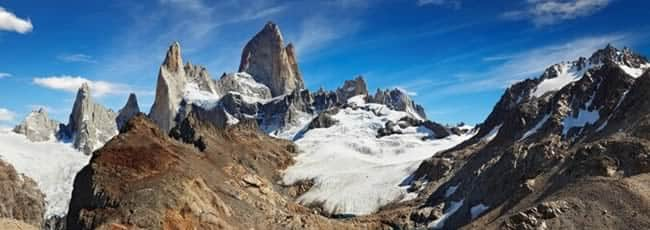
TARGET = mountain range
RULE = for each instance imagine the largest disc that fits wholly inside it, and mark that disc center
(255, 149)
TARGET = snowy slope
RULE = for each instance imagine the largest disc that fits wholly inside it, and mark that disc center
(567, 73)
(354, 172)
(51, 164)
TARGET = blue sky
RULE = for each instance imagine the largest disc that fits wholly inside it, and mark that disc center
(454, 56)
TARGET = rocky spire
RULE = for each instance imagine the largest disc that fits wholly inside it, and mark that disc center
(128, 111)
(173, 77)
(173, 60)
(91, 124)
(169, 88)
(271, 63)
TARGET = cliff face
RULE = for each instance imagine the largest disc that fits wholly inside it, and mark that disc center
(271, 63)
(174, 78)
(91, 124)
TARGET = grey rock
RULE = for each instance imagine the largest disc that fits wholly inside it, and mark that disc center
(271, 63)
(127, 112)
(397, 99)
(91, 124)
(244, 84)
(173, 78)
(352, 88)
(324, 100)
(37, 126)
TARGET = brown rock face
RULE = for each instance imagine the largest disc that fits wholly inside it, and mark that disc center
(20, 198)
(271, 63)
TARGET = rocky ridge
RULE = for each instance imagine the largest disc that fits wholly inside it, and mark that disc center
(539, 159)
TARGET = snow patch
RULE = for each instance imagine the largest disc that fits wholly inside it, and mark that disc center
(492, 134)
(451, 209)
(194, 95)
(539, 125)
(634, 72)
(567, 73)
(355, 173)
(477, 210)
(584, 118)
(451, 190)
(51, 164)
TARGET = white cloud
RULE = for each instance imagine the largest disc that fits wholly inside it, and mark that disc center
(9, 22)
(532, 63)
(453, 3)
(547, 12)
(4, 75)
(316, 32)
(7, 115)
(76, 58)
(72, 84)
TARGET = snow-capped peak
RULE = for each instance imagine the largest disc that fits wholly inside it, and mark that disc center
(559, 75)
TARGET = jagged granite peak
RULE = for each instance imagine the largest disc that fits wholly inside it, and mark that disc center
(271, 63)
(398, 100)
(173, 60)
(613, 55)
(37, 126)
(174, 81)
(130, 109)
(352, 88)
(91, 124)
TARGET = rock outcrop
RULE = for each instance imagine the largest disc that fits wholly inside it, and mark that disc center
(245, 85)
(20, 198)
(37, 126)
(352, 88)
(130, 109)
(398, 100)
(271, 63)
(91, 124)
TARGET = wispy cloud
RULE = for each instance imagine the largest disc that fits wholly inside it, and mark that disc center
(548, 12)
(10, 22)
(4, 75)
(73, 83)
(7, 115)
(317, 32)
(453, 3)
(531, 63)
(84, 58)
